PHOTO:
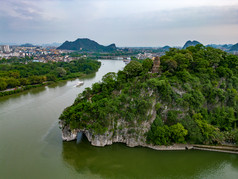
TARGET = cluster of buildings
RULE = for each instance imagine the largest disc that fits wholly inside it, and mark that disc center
(145, 55)
(53, 58)
(51, 54)
(39, 54)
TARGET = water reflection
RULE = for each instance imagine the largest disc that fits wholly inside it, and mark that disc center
(23, 94)
(39, 90)
(31, 145)
(90, 76)
(119, 161)
(36, 90)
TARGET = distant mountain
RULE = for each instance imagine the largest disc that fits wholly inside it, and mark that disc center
(27, 45)
(214, 45)
(190, 43)
(86, 45)
(165, 48)
(55, 44)
(234, 47)
(225, 47)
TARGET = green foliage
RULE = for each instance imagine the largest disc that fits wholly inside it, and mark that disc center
(18, 90)
(172, 117)
(159, 135)
(178, 133)
(147, 64)
(51, 77)
(194, 96)
(3, 85)
(18, 74)
(223, 118)
(163, 135)
(195, 135)
(60, 71)
(133, 69)
(208, 131)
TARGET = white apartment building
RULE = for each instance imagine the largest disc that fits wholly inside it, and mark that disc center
(5, 48)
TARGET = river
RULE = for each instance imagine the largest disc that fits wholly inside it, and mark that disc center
(31, 145)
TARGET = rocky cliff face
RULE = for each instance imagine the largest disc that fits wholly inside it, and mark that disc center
(107, 138)
(123, 137)
(131, 136)
(120, 135)
(122, 132)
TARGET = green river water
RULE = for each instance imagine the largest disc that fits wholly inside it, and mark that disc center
(31, 145)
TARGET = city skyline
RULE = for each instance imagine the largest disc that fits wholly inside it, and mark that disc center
(125, 23)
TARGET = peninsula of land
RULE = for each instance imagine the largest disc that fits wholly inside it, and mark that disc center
(187, 96)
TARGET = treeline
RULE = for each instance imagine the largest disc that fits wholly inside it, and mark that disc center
(18, 74)
(19, 89)
(16, 60)
(194, 96)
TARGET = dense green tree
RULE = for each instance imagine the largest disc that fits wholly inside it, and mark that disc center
(178, 133)
(133, 69)
(24, 81)
(147, 64)
(12, 82)
(3, 85)
(60, 71)
(51, 77)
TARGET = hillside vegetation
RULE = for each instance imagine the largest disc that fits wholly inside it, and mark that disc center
(86, 45)
(193, 99)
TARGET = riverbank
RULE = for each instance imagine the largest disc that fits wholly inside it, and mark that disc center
(20, 89)
(225, 149)
(103, 140)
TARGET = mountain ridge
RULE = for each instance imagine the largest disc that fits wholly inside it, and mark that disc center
(190, 43)
(86, 44)
(234, 47)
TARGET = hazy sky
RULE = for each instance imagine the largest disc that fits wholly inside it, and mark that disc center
(124, 22)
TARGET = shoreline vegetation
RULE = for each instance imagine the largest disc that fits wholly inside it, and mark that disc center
(188, 96)
(18, 77)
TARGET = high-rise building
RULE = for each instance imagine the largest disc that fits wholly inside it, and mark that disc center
(5, 48)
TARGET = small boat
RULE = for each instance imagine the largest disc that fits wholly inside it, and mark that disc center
(80, 83)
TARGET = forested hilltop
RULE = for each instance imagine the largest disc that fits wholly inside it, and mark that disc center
(192, 99)
(85, 44)
(34, 73)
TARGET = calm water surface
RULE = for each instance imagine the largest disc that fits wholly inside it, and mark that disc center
(31, 146)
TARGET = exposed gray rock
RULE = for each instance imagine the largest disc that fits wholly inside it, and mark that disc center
(131, 136)
(108, 139)
(68, 134)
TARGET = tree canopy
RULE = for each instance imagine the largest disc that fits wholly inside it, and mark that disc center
(19, 74)
(192, 99)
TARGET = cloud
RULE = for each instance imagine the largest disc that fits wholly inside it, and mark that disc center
(23, 10)
(125, 22)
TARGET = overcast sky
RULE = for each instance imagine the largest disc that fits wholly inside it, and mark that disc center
(124, 22)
